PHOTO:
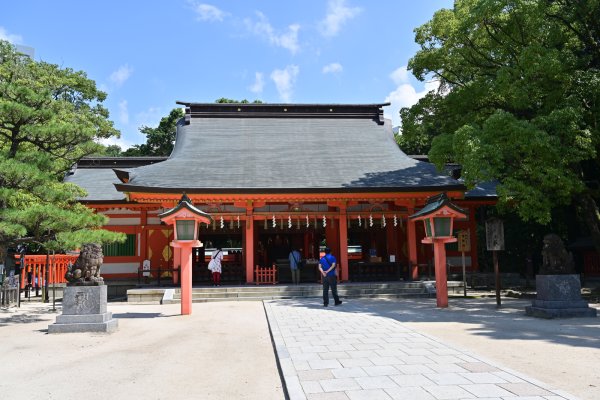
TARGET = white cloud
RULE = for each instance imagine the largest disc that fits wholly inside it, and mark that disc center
(288, 39)
(333, 68)
(400, 75)
(151, 117)
(207, 12)
(10, 37)
(124, 144)
(337, 15)
(284, 81)
(259, 83)
(123, 112)
(405, 94)
(121, 75)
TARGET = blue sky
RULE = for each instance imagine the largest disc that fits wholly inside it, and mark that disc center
(148, 54)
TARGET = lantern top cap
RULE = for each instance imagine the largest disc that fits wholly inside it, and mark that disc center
(435, 203)
(185, 202)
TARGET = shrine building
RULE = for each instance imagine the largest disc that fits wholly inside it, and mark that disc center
(276, 177)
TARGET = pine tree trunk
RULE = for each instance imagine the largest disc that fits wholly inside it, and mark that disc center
(3, 250)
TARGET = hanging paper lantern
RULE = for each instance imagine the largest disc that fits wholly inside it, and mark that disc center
(395, 220)
(222, 222)
(289, 222)
(383, 221)
(370, 220)
(359, 221)
(324, 221)
(274, 222)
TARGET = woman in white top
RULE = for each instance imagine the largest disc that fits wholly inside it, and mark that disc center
(215, 266)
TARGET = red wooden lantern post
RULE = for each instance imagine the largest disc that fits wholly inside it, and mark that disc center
(186, 218)
(438, 215)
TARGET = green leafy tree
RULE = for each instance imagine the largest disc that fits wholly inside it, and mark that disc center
(112, 150)
(50, 117)
(518, 101)
(159, 140)
(224, 100)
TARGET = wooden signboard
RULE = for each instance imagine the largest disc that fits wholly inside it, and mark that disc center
(494, 234)
(464, 241)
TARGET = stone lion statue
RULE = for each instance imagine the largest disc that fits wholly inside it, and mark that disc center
(86, 270)
(556, 259)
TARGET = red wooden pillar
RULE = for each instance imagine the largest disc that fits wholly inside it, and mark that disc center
(390, 236)
(249, 246)
(332, 237)
(186, 274)
(343, 228)
(441, 279)
(411, 238)
(176, 264)
(143, 236)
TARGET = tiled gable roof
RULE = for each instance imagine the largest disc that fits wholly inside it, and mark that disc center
(313, 149)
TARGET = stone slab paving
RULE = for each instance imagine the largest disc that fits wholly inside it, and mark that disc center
(348, 354)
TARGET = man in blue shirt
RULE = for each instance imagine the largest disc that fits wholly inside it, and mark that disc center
(327, 266)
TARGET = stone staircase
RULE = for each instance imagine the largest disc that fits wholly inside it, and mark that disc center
(268, 292)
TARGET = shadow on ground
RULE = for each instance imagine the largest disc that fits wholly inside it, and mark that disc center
(508, 322)
(140, 315)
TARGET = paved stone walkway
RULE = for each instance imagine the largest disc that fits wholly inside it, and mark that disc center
(346, 353)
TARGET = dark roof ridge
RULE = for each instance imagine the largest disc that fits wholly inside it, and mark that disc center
(283, 111)
(216, 105)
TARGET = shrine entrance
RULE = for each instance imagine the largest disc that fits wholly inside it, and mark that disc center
(232, 264)
(273, 246)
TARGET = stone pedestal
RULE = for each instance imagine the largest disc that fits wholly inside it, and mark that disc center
(559, 296)
(84, 310)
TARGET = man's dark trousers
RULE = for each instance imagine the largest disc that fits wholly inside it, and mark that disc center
(327, 282)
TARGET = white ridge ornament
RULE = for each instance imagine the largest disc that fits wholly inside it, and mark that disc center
(395, 220)
(324, 221)
(383, 223)
(307, 222)
(359, 221)
(274, 222)
(289, 222)
(371, 220)
(238, 221)
(222, 222)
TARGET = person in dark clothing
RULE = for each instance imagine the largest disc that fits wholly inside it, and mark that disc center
(327, 266)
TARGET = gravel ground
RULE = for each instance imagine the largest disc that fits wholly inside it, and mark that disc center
(221, 351)
(563, 352)
(224, 351)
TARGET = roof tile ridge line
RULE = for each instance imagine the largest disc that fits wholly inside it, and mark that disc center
(269, 105)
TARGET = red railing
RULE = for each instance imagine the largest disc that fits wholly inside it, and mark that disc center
(265, 275)
(36, 265)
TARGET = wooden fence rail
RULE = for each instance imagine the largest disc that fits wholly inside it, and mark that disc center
(36, 266)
